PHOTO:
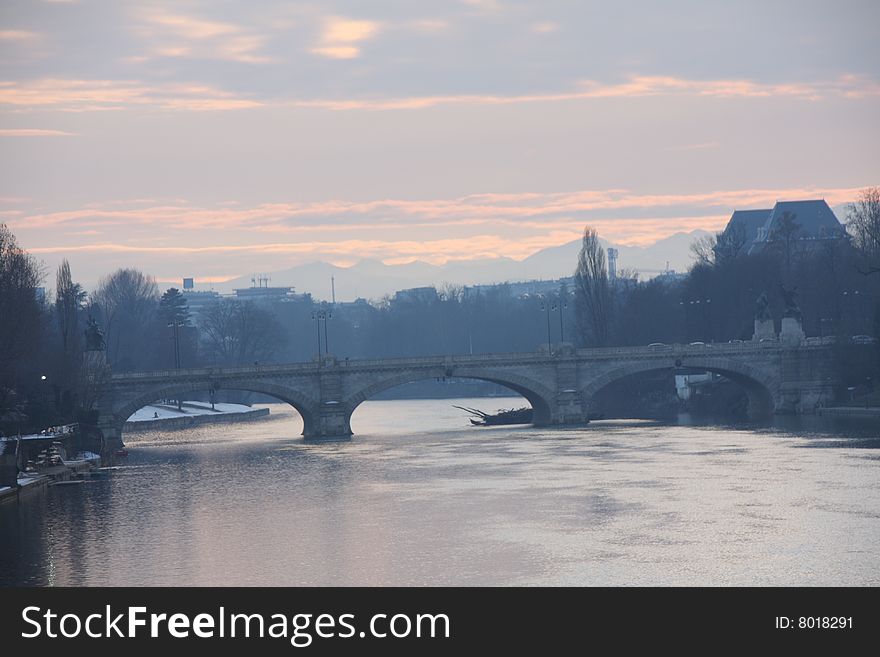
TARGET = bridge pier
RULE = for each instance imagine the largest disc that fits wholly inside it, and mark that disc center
(329, 423)
(569, 410)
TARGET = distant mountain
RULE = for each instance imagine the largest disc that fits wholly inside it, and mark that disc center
(372, 279)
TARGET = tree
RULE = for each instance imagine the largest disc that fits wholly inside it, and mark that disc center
(729, 243)
(127, 300)
(69, 299)
(592, 291)
(784, 239)
(240, 333)
(174, 308)
(22, 334)
(863, 223)
(20, 312)
(703, 249)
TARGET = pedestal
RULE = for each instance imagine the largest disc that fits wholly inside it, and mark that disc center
(764, 330)
(792, 331)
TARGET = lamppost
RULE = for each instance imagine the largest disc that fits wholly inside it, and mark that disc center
(547, 306)
(319, 316)
(317, 321)
(562, 306)
(43, 398)
(175, 325)
(854, 309)
(327, 315)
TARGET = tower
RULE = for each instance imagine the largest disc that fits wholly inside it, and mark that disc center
(612, 263)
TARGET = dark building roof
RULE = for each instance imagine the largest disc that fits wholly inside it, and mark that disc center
(749, 222)
(814, 218)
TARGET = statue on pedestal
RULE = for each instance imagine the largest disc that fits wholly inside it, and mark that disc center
(791, 308)
(762, 307)
(94, 336)
(764, 329)
(792, 320)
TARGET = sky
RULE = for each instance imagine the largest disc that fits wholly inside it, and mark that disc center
(222, 138)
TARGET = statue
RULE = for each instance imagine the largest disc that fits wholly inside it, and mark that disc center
(94, 336)
(762, 307)
(791, 307)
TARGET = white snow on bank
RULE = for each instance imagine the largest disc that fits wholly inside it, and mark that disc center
(189, 408)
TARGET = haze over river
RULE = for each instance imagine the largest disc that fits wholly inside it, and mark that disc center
(421, 498)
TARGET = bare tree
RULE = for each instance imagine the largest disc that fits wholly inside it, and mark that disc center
(703, 249)
(69, 298)
(237, 333)
(729, 243)
(863, 223)
(592, 291)
(128, 299)
(785, 239)
(20, 312)
(21, 328)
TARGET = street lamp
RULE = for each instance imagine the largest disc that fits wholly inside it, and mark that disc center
(547, 306)
(175, 325)
(562, 306)
(318, 316)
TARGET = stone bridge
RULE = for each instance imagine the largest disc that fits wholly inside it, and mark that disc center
(561, 387)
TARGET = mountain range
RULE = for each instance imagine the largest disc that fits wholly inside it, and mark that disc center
(372, 279)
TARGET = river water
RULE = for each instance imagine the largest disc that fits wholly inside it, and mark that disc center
(420, 498)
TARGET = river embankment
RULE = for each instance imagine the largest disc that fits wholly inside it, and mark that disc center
(190, 414)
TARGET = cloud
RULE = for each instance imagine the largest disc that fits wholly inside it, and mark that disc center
(78, 95)
(512, 225)
(637, 86)
(97, 95)
(17, 35)
(177, 35)
(34, 132)
(545, 27)
(341, 37)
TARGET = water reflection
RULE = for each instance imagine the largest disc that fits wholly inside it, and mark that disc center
(615, 503)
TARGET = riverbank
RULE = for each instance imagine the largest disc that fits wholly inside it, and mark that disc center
(190, 414)
(69, 471)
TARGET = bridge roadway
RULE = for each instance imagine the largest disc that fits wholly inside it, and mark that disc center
(561, 387)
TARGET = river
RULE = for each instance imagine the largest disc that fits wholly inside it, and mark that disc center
(420, 498)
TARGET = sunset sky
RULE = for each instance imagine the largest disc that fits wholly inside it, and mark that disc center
(216, 139)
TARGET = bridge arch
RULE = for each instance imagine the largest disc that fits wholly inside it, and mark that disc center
(303, 405)
(537, 394)
(760, 387)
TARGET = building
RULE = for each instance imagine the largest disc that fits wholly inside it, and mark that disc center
(263, 294)
(520, 289)
(751, 231)
(416, 295)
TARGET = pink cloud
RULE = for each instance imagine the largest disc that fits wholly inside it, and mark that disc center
(847, 86)
(34, 132)
(96, 95)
